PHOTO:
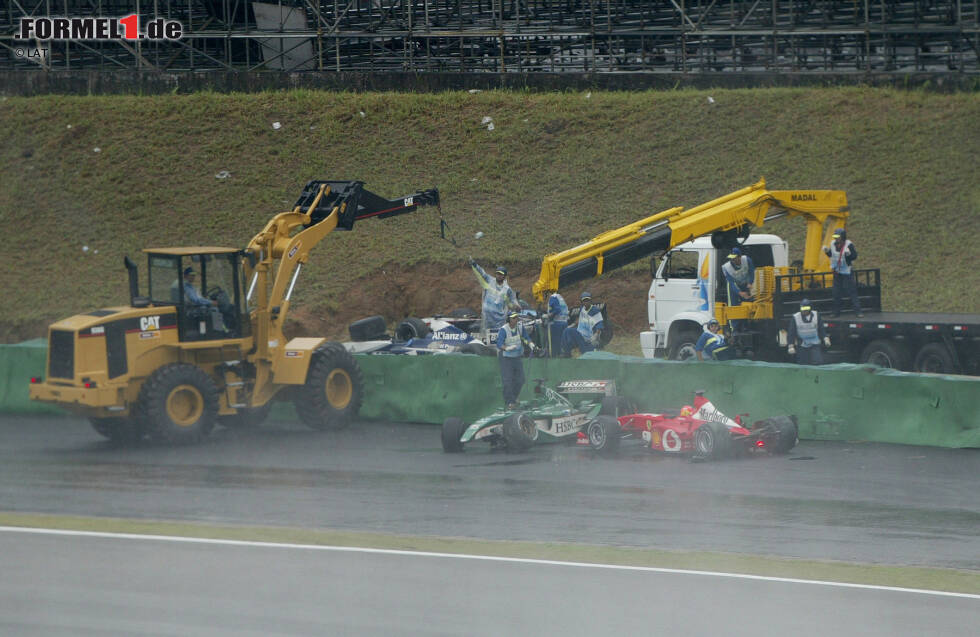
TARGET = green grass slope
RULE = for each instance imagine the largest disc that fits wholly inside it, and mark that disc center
(556, 170)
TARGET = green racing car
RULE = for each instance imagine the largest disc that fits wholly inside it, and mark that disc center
(554, 415)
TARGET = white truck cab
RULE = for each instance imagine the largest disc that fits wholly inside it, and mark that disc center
(686, 285)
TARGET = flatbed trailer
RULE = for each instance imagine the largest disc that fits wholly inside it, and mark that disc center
(932, 342)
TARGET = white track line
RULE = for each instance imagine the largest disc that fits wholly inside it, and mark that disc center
(464, 556)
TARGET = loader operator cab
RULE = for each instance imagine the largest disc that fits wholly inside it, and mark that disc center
(206, 287)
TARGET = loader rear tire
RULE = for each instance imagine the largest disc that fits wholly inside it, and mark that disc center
(178, 404)
(334, 389)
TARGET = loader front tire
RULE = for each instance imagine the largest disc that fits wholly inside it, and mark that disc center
(178, 403)
(333, 391)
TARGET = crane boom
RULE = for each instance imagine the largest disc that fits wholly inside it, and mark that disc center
(728, 219)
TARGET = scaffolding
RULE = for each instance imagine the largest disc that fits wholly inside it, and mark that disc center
(513, 36)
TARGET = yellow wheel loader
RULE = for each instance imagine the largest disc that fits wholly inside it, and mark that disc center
(205, 344)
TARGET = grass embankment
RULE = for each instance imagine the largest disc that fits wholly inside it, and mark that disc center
(556, 170)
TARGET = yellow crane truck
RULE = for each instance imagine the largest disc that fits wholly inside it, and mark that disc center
(688, 248)
(178, 360)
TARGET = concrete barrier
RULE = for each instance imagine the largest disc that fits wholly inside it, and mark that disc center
(831, 402)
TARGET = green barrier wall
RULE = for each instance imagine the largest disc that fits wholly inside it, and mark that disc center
(833, 402)
(17, 364)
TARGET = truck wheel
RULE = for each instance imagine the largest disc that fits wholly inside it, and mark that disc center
(520, 432)
(934, 358)
(246, 418)
(124, 431)
(372, 328)
(713, 442)
(786, 434)
(333, 391)
(888, 354)
(179, 403)
(452, 431)
(411, 328)
(683, 346)
(604, 435)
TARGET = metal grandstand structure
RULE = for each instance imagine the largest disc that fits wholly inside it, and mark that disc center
(552, 36)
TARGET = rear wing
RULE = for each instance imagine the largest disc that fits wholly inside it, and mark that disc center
(357, 203)
(606, 387)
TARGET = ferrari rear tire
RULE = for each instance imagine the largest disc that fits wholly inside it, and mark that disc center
(452, 431)
(712, 441)
(334, 389)
(520, 432)
(604, 435)
(787, 434)
(616, 406)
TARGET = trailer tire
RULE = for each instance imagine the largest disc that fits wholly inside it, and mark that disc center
(888, 354)
(333, 391)
(410, 328)
(682, 347)
(934, 358)
(179, 403)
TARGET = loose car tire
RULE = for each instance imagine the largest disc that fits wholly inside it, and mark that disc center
(372, 328)
(178, 403)
(713, 442)
(616, 406)
(411, 328)
(604, 435)
(452, 430)
(333, 391)
(520, 432)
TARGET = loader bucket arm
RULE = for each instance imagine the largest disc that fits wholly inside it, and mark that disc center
(288, 238)
(357, 203)
(728, 219)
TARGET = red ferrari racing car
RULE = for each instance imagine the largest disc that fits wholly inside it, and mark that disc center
(699, 430)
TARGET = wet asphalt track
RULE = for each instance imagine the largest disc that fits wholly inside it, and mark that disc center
(852, 502)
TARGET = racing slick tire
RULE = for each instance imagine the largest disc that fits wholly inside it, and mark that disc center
(452, 431)
(178, 403)
(785, 434)
(247, 418)
(122, 431)
(411, 328)
(333, 391)
(888, 354)
(372, 328)
(520, 432)
(616, 406)
(713, 442)
(682, 347)
(604, 435)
